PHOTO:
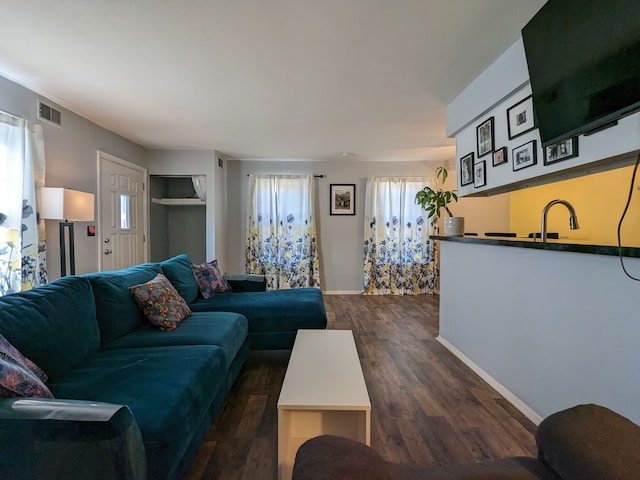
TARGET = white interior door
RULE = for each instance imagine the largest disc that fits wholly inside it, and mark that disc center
(122, 213)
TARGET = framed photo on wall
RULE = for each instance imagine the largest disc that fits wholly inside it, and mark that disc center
(466, 169)
(342, 198)
(524, 156)
(520, 118)
(480, 174)
(484, 137)
(500, 156)
(561, 151)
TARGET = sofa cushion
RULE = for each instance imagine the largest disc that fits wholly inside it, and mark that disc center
(224, 329)
(116, 310)
(16, 380)
(210, 279)
(53, 325)
(11, 353)
(589, 441)
(19, 376)
(330, 457)
(273, 310)
(178, 271)
(168, 389)
(246, 282)
(160, 302)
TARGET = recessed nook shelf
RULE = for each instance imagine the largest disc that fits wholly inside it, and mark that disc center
(179, 202)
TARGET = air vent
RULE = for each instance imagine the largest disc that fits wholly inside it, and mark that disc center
(49, 114)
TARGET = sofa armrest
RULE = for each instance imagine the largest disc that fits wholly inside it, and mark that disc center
(247, 283)
(589, 441)
(54, 438)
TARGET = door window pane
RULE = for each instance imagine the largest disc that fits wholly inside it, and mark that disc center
(125, 212)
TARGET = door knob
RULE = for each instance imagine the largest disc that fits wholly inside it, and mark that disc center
(107, 240)
(107, 251)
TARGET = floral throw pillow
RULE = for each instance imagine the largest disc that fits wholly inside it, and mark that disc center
(19, 376)
(210, 279)
(161, 303)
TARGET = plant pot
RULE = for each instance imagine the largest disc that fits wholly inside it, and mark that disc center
(453, 226)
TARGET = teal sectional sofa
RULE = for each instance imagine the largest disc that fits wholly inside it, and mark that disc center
(132, 401)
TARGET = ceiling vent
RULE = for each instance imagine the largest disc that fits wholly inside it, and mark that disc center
(49, 114)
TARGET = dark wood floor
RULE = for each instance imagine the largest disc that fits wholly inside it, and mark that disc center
(426, 406)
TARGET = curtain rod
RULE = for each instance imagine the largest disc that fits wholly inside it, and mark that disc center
(316, 176)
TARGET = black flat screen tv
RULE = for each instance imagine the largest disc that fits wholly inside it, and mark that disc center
(584, 65)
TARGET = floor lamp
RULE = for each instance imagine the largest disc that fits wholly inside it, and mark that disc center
(67, 205)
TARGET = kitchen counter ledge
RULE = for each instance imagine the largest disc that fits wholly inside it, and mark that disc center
(558, 245)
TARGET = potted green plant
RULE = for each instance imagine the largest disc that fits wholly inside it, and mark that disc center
(432, 200)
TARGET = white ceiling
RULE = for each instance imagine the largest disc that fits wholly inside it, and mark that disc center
(304, 79)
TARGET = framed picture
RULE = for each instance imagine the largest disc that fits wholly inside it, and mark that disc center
(561, 151)
(466, 169)
(520, 118)
(500, 156)
(484, 137)
(342, 198)
(480, 174)
(524, 156)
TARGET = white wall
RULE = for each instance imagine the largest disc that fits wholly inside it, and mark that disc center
(71, 153)
(553, 329)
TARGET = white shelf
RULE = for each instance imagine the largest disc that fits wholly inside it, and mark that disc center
(179, 202)
(323, 392)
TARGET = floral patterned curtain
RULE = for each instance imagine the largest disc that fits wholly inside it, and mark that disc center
(399, 258)
(22, 235)
(281, 234)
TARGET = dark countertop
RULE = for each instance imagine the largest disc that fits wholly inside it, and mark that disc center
(559, 245)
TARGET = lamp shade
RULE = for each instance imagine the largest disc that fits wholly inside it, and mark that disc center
(66, 204)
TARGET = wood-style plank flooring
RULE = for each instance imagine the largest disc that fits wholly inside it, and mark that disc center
(427, 406)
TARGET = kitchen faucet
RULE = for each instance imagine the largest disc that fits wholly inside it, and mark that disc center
(573, 219)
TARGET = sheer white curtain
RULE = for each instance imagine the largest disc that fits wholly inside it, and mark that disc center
(281, 238)
(22, 250)
(399, 258)
(200, 186)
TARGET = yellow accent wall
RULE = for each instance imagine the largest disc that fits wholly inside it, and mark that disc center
(598, 199)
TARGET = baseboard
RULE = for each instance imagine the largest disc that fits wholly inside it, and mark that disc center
(343, 292)
(497, 386)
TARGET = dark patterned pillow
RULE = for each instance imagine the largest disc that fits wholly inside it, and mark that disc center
(161, 303)
(19, 376)
(210, 279)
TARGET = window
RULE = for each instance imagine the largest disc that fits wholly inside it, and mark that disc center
(22, 255)
(399, 257)
(281, 237)
(125, 212)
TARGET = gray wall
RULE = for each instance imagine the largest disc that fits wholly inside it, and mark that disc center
(158, 220)
(71, 161)
(340, 237)
(547, 329)
(175, 229)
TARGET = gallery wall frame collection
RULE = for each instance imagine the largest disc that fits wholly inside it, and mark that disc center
(520, 118)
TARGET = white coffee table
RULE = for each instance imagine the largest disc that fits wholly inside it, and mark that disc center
(323, 393)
